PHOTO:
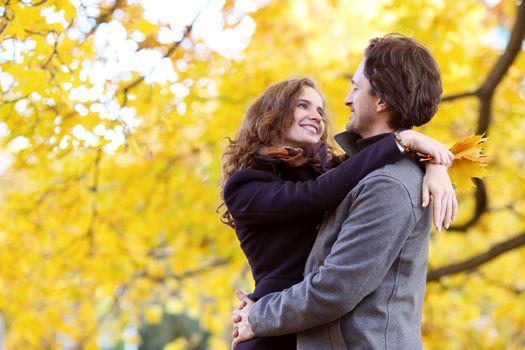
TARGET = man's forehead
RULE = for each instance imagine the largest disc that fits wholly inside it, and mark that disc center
(359, 73)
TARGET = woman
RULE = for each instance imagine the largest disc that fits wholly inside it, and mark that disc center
(274, 198)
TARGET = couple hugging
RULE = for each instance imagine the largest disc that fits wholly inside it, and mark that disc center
(338, 245)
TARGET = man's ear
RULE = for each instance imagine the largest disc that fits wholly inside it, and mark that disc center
(381, 105)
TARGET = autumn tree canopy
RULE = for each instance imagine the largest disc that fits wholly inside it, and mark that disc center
(113, 119)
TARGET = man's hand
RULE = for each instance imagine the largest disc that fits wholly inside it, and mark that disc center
(242, 330)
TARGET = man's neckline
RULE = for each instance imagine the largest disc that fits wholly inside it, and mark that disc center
(352, 143)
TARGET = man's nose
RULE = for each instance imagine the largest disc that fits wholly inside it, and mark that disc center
(348, 99)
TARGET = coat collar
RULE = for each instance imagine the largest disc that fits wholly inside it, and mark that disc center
(352, 143)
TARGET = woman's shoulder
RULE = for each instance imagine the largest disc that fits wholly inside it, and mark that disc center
(246, 175)
(237, 183)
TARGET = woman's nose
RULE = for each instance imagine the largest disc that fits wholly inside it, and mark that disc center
(316, 116)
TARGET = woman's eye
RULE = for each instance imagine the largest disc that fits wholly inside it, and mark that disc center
(302, 105)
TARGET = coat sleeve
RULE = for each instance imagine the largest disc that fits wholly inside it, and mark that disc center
(370, 239)
(259, 195)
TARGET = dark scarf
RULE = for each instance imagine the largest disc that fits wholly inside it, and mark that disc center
(316, 155)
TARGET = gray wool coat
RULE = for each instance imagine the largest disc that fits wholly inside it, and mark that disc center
(365, 277)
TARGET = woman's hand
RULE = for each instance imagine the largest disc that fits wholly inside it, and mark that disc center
(437, 152)
(436, 183)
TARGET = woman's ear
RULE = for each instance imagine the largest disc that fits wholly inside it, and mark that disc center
(381, 105)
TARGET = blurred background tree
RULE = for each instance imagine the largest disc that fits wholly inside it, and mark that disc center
(113, 118)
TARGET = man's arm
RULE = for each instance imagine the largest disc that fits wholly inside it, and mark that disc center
(379, 222)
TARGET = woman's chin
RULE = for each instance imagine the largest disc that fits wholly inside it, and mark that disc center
(305, 142)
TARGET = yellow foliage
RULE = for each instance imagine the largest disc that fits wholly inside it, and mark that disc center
(177, 344)
(174, 306)
(108, 210)
(153, 314)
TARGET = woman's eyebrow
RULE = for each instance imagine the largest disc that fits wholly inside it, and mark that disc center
(319, 109)
(307, 102)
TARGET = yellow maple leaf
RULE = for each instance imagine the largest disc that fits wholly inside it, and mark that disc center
(470, 147)
(469, 161)
(463, 170)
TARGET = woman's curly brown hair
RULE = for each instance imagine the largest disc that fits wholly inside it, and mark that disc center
(265, 123)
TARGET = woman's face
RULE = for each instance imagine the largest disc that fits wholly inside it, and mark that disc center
(308, 122)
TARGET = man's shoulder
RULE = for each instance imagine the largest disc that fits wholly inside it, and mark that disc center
(404, 173)
(405, 170)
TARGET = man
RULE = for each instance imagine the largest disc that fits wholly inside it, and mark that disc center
(365, 277)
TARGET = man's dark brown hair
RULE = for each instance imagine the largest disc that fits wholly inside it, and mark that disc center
(403, 73)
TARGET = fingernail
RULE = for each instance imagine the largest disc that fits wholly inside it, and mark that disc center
(438, 228)
(447, 226)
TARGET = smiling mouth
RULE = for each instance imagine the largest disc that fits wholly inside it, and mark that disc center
(310, 128)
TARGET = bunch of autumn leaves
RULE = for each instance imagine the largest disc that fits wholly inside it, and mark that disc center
(470, 161)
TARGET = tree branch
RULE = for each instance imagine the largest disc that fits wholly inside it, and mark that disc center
(172, 49)
(481, 207)
(459, 96)
(189, 273)
(476, 261)
(106, 16)
(94, 205)
(509, 55)
(485, 94)
(486, 90)
(142, 77)
(115, 304)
